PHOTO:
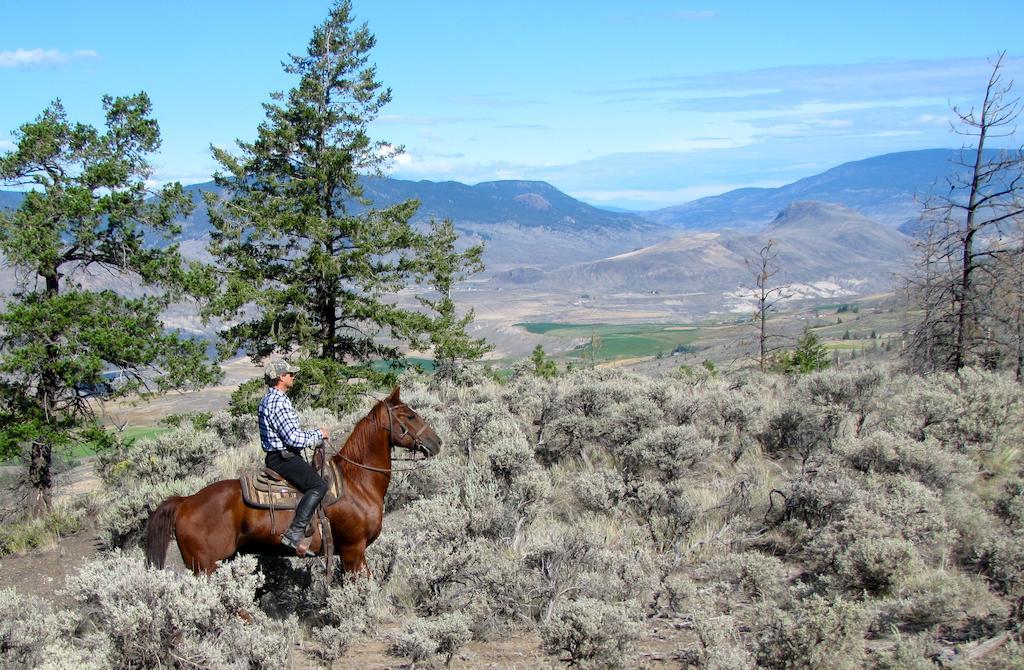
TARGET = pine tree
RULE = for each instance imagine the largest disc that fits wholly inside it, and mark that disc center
(311, 268)
(810, 354)
(88, 210)
(446, 266)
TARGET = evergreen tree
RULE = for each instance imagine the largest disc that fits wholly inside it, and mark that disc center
(87, 210)
(810, 354)
(445, 267)
(310, 267)
(543, 367)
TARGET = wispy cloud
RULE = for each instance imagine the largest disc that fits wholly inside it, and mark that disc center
(6, 145)
(19, 58)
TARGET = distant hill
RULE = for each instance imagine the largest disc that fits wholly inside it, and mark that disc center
(883, 188)
(818, 244)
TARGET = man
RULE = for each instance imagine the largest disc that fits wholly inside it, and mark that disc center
(284, 440)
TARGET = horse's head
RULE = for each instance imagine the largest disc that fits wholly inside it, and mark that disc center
(408, 429)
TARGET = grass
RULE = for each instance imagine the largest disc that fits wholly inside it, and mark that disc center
(43, 531)
(89, 448)
(617, 341)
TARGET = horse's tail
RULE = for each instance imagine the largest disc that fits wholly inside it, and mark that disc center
(159, 529)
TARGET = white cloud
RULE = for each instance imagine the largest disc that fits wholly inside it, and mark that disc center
(667, 197)
(6, 145)
(43, 57)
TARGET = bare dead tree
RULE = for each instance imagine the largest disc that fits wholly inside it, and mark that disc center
(965, 227)
(767, 296)
(1008, 299)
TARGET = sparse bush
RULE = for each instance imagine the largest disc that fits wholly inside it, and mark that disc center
(24, 630)
(721, 644)
(753, 573)
(905, 654)
(63, 520)
(815, 634)
(941, 598)
(592, 633)
(158, 618)
(875, 565)
(349, 611)
(425, 638)
(172, 456)
(123, 522)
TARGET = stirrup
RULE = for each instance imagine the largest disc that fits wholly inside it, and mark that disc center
(301, 546)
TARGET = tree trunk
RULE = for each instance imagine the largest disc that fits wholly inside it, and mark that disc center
(40, 477)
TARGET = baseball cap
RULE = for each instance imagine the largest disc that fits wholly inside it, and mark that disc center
(277, 367)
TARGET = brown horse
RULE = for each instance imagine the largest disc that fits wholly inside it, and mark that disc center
(215, 523)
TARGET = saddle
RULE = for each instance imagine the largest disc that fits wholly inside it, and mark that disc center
(265, 489)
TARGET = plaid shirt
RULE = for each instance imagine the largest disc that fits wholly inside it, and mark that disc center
(279, 424)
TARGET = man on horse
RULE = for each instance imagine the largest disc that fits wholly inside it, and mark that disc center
(283, 441)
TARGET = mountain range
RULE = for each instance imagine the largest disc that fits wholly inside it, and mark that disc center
(839, 226)
(887, 188)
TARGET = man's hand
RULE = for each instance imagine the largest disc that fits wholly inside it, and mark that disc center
(326, 433)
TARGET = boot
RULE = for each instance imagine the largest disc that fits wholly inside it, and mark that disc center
(297, 531)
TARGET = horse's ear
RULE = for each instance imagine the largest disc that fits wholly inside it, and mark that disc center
(394, 396)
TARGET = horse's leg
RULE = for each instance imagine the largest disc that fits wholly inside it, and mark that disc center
(353, 559)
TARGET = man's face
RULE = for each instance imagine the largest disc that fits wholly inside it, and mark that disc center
(286, 381)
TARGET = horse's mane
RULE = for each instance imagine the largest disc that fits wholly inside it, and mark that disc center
(357, 446)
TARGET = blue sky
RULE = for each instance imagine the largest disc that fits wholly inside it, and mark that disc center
(640, 105)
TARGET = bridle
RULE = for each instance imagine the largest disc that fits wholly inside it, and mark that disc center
(417, 444)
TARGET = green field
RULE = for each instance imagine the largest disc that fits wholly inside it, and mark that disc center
(617, 341)
(86, 449)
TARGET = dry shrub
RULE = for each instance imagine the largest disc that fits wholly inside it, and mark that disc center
(65, 518)
(819, 495)
(590, 633)
(437, 560)
(177, 454)
(721, 643)
(799, 431)
(592, 557)
(122, 522)
(24, 630)
(602, 491)
(233, 431)
(1001, 559)
(158, 618)
(943, 598)
(911, 653)
(874, 565)
(352, 607)
(665, 454)
(425, 638)
(813, 634)
(928, 462)
(752, 573)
